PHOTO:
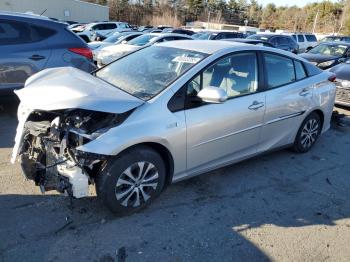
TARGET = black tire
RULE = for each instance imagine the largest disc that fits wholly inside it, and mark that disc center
(304, 140)
(111, 181)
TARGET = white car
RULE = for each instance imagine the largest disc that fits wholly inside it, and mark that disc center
(115, 39)
(102, 28)
(305, 41)
(166, 113)
(111, 53)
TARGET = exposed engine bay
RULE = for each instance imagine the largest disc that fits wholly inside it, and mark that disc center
(48, 151)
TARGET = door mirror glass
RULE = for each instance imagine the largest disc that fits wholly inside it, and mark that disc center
(212, 94)
(342, 60)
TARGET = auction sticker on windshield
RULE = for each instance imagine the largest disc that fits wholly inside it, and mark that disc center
(186, 59)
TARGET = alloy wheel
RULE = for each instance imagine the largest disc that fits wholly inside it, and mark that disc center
(136, 184)
(309, 133)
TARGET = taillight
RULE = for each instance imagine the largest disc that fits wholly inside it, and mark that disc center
(84, 51)
(332, 78)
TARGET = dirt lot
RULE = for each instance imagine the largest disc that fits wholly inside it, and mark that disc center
(277, 207)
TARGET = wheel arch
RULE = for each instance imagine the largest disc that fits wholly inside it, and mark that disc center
(165, 154)
(320, 113)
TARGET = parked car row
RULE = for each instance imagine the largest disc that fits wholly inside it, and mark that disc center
(64, 49)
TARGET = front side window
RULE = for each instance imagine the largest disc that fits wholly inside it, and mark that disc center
(149, 71)
(279, 70)
(236, 74)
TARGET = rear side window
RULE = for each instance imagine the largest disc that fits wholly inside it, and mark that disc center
(109, 26)
(279, 69)
(300, 38)
(299, 70)
(311, 38)
(13, 32)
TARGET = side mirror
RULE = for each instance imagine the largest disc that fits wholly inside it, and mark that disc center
(124, 42)
(342, 60)
(212, 94)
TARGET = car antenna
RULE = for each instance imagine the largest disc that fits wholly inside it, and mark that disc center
(43, 12)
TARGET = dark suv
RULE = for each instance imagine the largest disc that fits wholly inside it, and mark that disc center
(30, 43)
(283, 42)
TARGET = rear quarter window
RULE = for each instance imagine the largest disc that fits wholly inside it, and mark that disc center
(312, 69)
(14, 32)
(311, 38)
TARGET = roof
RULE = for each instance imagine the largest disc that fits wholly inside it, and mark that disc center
(30, 18)
(202, 46)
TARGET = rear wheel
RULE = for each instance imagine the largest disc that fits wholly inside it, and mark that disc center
(308, 133)
(131, 181)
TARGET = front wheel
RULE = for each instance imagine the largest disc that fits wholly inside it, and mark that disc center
(132, 180)
(308, 133)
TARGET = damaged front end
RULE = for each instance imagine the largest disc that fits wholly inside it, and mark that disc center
(48, 151)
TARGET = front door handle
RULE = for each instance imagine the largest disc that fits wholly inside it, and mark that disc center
(37, 57)
(256, 105)
(304, 92)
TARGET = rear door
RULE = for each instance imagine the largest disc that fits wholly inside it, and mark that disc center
(288, 97)
(23, 52)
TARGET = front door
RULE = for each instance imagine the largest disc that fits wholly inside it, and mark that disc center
(220, 133)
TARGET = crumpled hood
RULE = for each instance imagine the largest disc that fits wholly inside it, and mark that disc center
(68, 87)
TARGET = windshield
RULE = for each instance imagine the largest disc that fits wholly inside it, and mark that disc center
(330, 39)
(113, 38)
(148, 71)
(141, 40)
(258, 37)
(201, 36)
(333, 50)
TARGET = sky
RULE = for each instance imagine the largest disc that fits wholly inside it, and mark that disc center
(299, 3)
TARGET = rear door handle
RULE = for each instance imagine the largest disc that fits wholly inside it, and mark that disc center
(304, 92)
(37, 57)
(256, 105)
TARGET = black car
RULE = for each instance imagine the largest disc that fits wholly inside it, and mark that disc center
(178, 31)
(283, 42)
(338, 38)
(342, 72)
(208, 35)
(329, 54)
(250, 41)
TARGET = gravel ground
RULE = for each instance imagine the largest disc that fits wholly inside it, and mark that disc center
(277, 207)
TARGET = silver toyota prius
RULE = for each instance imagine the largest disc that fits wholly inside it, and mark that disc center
(166, 113)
